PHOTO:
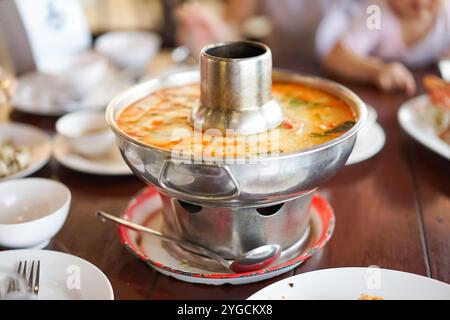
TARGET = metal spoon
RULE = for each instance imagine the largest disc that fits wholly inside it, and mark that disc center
(252, 260)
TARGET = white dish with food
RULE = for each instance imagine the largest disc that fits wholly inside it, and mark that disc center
(111, 163)
(416, 119)
(86, 132)
(24, 149)
(62, 276)
(32, 211)
(355, 284)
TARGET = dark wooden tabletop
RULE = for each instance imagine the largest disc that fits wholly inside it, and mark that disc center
(392, 211)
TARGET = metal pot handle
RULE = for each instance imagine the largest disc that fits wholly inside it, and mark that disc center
(176, 191)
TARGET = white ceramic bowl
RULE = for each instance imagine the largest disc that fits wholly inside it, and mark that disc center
(32, 211)
(86, 132)
(75, 74)
(129, 49)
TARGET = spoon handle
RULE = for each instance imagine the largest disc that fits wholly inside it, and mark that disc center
(197, 249)
(134, 226)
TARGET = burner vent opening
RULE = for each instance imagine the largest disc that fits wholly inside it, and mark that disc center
(269, 211)
(190, 207)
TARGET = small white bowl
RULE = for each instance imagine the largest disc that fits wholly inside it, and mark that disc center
(87, 132)
(32, 211)
(129, 49)
(75, 74)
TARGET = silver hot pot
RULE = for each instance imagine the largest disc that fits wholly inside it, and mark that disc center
(219, 205)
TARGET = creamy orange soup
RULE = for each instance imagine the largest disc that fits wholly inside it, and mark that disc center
(162, 120)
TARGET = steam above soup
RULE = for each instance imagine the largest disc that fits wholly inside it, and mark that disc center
(161, 120)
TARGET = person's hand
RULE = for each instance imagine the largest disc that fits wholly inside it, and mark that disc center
(395, 76)
(199, 25)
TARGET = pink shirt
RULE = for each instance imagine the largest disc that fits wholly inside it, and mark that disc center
(387, 42)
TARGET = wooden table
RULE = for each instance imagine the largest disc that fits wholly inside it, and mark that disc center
(392, 211)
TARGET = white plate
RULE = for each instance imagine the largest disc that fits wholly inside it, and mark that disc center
(35, 96)
(25, 135)
(62, 276)
(444, 68)
(110, 164)
(351, 283)
(419, 127)
(369, 142)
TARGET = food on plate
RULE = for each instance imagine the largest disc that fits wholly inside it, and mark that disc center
(162, 120)
(438, 110)
(13, 158)
(367, 297)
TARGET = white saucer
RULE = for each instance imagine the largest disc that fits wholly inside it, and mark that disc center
(351, 283)
(25, 135)
(145, 209)
(62, 277)
(110, 164)
(369, 142)
(35, 96)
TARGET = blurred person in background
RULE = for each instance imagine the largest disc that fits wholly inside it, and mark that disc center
(293, 25)
(411, 33)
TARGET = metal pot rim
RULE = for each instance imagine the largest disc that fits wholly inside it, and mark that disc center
(313, 81)
(225, 43)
